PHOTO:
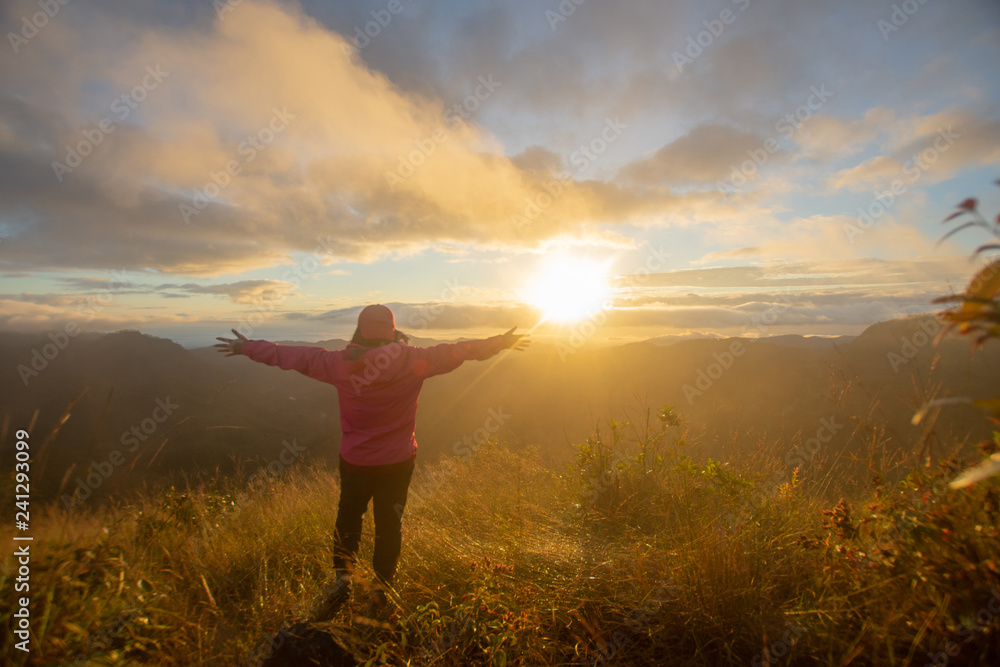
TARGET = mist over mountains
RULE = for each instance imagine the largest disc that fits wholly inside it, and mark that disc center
(141, 408)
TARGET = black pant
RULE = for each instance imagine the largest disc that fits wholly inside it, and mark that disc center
(386, 487)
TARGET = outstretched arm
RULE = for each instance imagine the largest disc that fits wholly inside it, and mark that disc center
(447, 357)
(314, 362)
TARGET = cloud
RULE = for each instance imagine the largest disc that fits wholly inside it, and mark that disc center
(412, 318)
(820, 295)
(251, 138)
(32, 315)
(706, 154)
(927, 149)
(57, 300)
(538, 159)
(826, 136)
(120, 282)
(859, 279)
(247, 292)
(736, 253)
(287, 141)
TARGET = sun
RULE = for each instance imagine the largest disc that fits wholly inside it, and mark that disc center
(567, 289)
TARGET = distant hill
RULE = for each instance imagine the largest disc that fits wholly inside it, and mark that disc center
(231, 409)
(664, 341)
(789, 340)
(811, 342)
(223, 409)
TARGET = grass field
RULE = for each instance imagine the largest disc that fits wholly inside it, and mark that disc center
(637, 553)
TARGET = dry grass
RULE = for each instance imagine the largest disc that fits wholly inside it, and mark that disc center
(638, 553)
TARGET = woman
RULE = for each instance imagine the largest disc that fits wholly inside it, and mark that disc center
(378, 379)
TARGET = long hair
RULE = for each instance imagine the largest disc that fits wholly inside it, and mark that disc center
(358, 339)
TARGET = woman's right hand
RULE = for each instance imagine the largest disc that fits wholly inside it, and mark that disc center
(513, 341)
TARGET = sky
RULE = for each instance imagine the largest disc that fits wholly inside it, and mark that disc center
(585, 169)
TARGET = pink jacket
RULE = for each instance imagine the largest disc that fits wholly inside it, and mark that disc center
(377, 388)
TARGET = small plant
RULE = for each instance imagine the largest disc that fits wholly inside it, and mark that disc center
(839, 519)
(977, 314)
(978, 311)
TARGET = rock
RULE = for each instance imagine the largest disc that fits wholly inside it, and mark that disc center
(309, 646)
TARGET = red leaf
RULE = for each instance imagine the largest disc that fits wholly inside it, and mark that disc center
(969, 204)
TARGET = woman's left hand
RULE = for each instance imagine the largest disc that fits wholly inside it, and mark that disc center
(231, 346)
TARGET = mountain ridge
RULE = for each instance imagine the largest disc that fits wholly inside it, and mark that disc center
(231, 410)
